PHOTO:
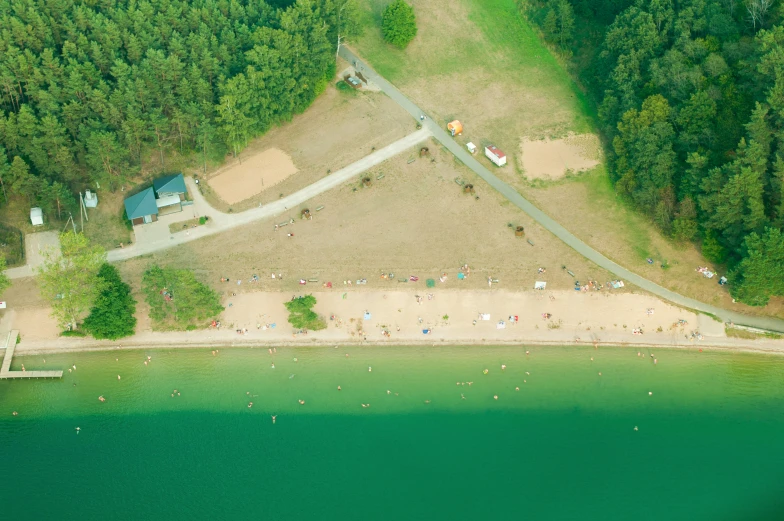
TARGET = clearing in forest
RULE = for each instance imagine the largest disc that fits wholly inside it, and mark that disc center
(552, 158)
(253, 175)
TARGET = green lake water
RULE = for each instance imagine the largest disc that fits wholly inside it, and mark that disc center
(709, 444)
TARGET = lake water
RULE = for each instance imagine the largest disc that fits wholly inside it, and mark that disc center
(708, 444)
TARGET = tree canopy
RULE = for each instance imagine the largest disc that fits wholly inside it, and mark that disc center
(68, 279)
(691, 96)
(88, 89)
(398, 24)
(112, 313)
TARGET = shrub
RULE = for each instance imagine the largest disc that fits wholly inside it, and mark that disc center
(398, 24)
(177, 300)
(301, 314)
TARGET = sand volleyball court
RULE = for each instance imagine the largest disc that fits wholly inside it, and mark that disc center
(550, 159)
(253, 175)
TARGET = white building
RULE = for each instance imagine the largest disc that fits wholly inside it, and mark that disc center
(36, 216)
(90, 199)
(495, 155)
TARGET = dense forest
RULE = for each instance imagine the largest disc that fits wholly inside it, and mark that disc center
(90, 88)
(690, 102)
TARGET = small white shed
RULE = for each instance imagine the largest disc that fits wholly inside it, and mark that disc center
(90, 199)
(471, 147)
(36, 216)
(495, 155)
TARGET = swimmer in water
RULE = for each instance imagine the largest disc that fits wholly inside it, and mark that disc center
(517, 388)
(15, 413)
(273, 365)
(296, 360)
(389, 392)
(118, 376)
(250, 404)
(485, 371)
(273, 419)
(145, 363)
(74, 367)
(635, 428)
(462, 396)
(339, 389)
(427, 401)
(527, 352)
(503, 367)
(369, 369)
(149, 358)
(302, 402)
(366, 405)
(470, 383)
(495, 397)
(600, 374)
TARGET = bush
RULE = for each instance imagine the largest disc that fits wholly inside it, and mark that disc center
(112, 314)
(177, 300)
(398, 24)
(203, 220)
(301, 314)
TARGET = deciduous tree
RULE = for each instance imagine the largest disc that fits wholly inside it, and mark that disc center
(398, 24)
(68, 279)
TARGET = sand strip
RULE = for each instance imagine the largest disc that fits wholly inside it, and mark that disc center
(449, 316)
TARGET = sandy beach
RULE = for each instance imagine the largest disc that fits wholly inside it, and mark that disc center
(444, 317)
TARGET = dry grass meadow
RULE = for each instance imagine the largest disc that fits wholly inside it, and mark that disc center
(415, 220)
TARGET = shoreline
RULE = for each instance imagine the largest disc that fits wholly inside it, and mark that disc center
(406, 318)
(705, 346)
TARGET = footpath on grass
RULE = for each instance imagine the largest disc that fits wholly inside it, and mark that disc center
(543, 219)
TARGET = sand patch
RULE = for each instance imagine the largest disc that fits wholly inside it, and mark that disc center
(253, 175)
(551, 159)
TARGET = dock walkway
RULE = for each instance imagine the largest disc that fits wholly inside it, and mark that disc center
(5, 370)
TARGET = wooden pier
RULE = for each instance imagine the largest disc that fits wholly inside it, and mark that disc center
(5, 370)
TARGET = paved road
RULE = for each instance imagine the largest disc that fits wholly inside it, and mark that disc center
(543, 219)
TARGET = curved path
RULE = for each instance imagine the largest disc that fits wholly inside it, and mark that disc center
(547, 222)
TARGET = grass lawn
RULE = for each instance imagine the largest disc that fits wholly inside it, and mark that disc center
(478, 61)
(106, 226)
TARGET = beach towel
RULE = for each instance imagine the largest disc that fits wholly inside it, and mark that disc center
(367, 316)
(484, 316)
(540, 285)
(460, 276)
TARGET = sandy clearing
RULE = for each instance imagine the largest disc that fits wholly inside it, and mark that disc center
(253, 175)
(551, 159)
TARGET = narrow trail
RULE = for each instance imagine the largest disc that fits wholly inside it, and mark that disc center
(543, 219)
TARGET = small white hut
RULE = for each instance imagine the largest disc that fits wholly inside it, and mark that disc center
(36, 216)
(90, 199)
